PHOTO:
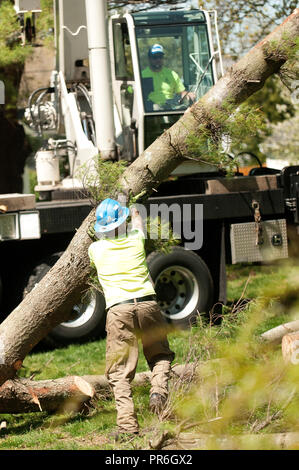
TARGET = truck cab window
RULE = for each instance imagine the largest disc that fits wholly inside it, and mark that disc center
(122, 52)
(174, 61)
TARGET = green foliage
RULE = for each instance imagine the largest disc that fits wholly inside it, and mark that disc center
(100, 178)
(286, 49)
(207, 144)
(247, 128)
(289, 72)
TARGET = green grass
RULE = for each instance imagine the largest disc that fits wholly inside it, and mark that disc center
(244, 388)
(82, 359)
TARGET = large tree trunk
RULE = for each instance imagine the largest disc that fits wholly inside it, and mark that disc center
(50, 302)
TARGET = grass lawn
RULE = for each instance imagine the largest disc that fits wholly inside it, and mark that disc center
(255, 394)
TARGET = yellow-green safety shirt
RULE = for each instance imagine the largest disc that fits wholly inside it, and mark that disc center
(166, 84)
(121, 267)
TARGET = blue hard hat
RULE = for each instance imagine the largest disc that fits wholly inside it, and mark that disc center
(110, 214)
(156, 49)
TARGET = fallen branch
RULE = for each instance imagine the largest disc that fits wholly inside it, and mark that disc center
(276, 334)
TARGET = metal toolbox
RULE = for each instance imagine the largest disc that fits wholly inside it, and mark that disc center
(273, 242)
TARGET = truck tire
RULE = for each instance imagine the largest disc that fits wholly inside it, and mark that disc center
(88, 318)
(183, 284)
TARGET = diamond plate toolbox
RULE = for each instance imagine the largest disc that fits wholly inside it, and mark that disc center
(244, 247)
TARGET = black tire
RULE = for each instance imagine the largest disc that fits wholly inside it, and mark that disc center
(88, 319)
(183, 284)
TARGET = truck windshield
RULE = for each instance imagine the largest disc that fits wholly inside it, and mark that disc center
(181, 62)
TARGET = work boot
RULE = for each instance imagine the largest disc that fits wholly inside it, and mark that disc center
(157, 403)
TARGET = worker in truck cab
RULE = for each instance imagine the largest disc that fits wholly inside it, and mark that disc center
(161, 84)
(132, 311)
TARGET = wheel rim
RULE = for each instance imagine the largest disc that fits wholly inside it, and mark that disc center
(82, 312)
(177, 292)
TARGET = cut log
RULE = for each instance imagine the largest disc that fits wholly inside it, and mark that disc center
(290, 348)
(67, 393)
(275, 334)
(26, 396)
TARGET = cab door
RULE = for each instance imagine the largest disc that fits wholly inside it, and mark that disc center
(123, 89)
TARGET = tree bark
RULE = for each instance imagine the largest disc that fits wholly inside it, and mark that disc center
(276, 334)
(50, 302)
(290, 348)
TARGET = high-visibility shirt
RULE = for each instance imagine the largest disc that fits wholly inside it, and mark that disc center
(166, 84)
(121, 267)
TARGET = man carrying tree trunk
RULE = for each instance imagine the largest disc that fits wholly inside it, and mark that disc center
(133, 312)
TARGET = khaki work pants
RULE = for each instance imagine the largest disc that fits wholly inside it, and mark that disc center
(125, 324)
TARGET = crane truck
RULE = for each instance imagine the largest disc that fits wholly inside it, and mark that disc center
(99, 97)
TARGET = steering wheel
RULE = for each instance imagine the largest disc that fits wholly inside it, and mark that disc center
(247, 156)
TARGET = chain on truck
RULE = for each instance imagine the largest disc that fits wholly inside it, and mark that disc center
(98, 96)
